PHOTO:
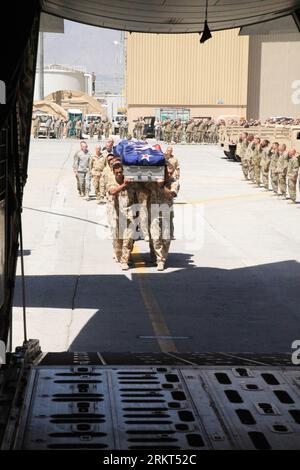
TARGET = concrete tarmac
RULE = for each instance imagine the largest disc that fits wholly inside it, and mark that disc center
(232, 281)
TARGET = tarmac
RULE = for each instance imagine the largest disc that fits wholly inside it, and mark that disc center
(231, 283)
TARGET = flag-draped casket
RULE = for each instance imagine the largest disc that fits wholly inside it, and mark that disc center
(141, 161)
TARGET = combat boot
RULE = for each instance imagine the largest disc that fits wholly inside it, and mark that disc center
(160, 266)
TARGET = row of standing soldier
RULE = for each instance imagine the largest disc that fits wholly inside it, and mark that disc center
(197, 131)
(266, 164)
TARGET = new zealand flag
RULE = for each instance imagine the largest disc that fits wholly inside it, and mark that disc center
(139, 153)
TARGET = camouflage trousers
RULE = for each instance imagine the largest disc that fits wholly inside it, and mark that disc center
(98, 186)
(251, 171)
(159, 249)
(122, 239)
(265, 178)
(189, 136)
(177, 137)
(257, 174)
(282, 183)
(196, 137)
(161, 232)
(142, 198)
(77, 182)
(274, 181)
(168, 137)
(292, 184)
(84, 182)
(122, 249)
(245, 168)
(106, 133)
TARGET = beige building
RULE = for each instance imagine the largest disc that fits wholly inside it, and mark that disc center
(175, 72)
(274, 75)
(247, 76)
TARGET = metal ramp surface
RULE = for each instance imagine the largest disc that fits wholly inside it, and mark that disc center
(88, 405)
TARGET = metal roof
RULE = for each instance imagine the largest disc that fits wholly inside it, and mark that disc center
(170, 16)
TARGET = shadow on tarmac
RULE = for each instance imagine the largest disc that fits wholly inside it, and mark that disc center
(252, 309)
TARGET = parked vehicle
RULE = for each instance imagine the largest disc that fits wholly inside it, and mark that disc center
(46, 128)
(149, 128)
(117, 119)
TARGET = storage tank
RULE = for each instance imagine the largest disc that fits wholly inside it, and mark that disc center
(61, 77)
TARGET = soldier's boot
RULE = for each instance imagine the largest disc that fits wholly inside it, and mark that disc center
(160, 266)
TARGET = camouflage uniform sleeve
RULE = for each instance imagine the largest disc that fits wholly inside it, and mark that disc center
(295, 168)
(111, 184)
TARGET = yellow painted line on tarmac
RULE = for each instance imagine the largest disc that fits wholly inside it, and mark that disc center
(229, 198)
(158, 322)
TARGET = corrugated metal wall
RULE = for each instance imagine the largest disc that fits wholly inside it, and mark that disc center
(274, 76)
(178, 70)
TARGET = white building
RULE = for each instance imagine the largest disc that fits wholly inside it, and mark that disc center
(111, 102)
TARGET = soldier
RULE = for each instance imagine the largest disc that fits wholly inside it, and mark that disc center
(56, 128)
(107, 128)
(69, 128)
(123, 194)
(239, 149)
(173, 160)
(61, 128)
(202, 131)
(214, 133)
(81, 168)
(253, 157)
(99, 129)
(36, 127)
(265, 165)
(108, 148)
(180, 130)
(281, 170)
(161, 215)
(135, 130)
(107, 174)
(242, 147)
(124, 128)
(189, 131)
(257, 157)
(91, 129)
(140, 128)
(158, 130)
(168, 131)
(292, 173)
(273, 167)
(121, 129)
(97, 164)
(126, 125)
(247, 156)
(176, 132)
(78, 128)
